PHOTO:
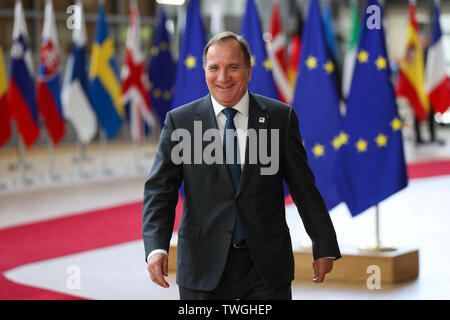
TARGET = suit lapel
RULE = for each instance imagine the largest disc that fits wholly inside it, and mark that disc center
(258, 118)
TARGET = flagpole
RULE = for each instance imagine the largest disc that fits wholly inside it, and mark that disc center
(377, 246)
(80, 173)
(22, 180)
(104, 170)
(138, 168)
(51, 175)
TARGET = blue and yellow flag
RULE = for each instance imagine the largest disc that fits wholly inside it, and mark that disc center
(190, 83)
(104, 83)
(316, 102)
(262, 79)
(371, 163)
(161, 71)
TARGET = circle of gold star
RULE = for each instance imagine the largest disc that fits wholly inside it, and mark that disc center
(381, 63)
(363, 56)
(329, 66)
(318, 150)
(396, 124)
(311, 62)
(361, 145)
(340, 140)
(381, 140)
(190, 62)
(267, 64)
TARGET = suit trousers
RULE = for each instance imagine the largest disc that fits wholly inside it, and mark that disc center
(240, 280)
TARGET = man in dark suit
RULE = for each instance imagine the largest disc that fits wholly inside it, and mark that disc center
(233, 240)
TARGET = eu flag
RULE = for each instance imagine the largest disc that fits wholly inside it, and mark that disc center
(161, 71)
(316, 101)
(262, 80)
(190, 83)
(372, 163)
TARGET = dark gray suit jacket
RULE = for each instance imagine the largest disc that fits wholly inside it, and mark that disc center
(210, 203)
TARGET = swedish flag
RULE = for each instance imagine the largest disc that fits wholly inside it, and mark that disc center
(372, 163)
(190, 83)
(104, 84)
(316, 101)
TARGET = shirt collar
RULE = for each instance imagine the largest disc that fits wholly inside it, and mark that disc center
(242, 105)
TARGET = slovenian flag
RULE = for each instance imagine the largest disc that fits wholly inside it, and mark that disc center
(437, 82)
(48, 86)
(21, 93)
(76, 102)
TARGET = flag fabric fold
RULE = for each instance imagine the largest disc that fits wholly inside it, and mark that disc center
(5, 118)
(436, 79)
(135, 84)
(21, 96)
(190, 83)
(262, 81)
(48, 84)
(161, 70)
(371, 161)
(411, 78)
(316, 102)
(104, 84)
(77, 107)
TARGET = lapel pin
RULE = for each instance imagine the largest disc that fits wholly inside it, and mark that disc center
(262, 120)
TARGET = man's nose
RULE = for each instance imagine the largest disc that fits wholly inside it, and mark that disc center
(223, 76)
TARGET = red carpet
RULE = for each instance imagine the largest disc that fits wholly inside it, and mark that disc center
(428, 169)
(96, 229)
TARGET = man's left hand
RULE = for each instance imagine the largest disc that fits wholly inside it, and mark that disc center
(322, 266)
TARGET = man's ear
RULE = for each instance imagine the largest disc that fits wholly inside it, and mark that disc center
(249, 73)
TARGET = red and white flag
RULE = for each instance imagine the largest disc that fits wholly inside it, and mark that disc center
(436, 79)
(276, 49)
(48, 85)
(134, 80)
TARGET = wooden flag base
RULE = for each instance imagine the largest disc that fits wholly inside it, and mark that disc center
(394, 265)
(354, 266)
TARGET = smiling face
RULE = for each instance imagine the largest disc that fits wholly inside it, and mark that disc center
(226, 73)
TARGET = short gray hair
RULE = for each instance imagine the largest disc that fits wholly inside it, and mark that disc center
(226, 36)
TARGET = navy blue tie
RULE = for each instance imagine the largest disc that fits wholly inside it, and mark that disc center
(230, 142)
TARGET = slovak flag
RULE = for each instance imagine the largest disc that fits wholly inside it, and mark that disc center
(135, 85)
(48, 88)
(436, 79)
(21, 93)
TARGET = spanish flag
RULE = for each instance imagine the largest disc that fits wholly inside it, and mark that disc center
(411, 81)
(104, 85)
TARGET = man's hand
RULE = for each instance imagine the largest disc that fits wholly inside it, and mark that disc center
(321, 267)
(157, 267)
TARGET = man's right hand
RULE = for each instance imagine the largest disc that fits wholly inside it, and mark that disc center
(158, 267)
